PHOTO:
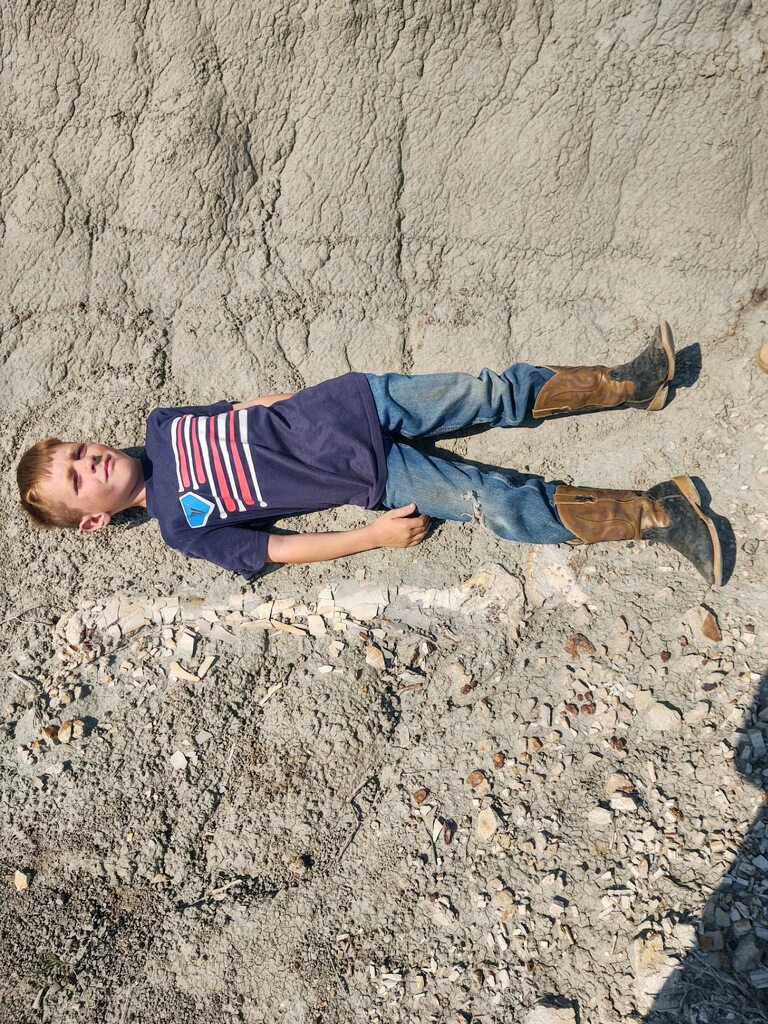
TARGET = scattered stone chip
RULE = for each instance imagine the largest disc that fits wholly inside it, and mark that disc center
(601, 817)
(175, 671)
(21, 880)
(205, 666)
(579, 646)
(663, 717)
(551, 1015)
(488, 821)
(710, 627)
(375, 658)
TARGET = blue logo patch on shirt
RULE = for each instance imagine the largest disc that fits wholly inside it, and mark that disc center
(196, 508)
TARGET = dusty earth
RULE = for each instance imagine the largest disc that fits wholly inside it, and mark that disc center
(465, 782)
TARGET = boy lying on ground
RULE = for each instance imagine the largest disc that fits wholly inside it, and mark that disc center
(218, 477)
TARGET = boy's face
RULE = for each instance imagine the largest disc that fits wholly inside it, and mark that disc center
(94, 480)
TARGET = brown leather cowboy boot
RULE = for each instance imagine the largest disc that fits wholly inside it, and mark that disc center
(640, 384)
(669, 513)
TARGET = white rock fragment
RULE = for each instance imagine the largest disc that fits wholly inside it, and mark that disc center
(218, 632)
(175, 671)
(443, 913)
(185, 644)
(178, 761)
(363, 599)
(696, 714)
(272, 690)
(111, 612)
(661, 717)
(416, 982)
(74, 629)
(551, 1015)
(132, 619)
(488, 822)
(623, 804)
(21, 880)
(618, 783)
(643, 700)
(375, 658)
(205, 666)
(169, 614)
(685, 935)
(288, 627)
(316, 625)
(203, 737)
(402, 736)
(600, 817)
(757, 742)
(493, 594)
(550, 577)
(652, 967)
(408, 680)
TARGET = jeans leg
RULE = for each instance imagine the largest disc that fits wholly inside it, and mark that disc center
(514, 507)
(426, 405)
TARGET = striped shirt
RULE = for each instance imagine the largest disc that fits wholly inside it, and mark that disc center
(217, 478)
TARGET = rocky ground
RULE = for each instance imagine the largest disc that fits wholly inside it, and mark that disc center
(391, 803)
(467, 782)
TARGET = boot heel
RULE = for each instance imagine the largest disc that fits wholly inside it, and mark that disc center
(659, 399)
(688, 489)
(668, 343)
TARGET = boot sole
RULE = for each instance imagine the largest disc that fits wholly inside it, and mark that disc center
(688, 490)
(664, 337)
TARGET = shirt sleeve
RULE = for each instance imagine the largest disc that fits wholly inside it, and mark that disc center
(238, 548)
(193, 410)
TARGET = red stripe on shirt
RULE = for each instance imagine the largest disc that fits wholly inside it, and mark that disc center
(182, 453)
(221, 476)
(199, 467)
(242, 481)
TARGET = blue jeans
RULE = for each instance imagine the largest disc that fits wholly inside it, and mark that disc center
(513, 506)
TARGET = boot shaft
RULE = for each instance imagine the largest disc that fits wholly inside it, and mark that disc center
(595, 515)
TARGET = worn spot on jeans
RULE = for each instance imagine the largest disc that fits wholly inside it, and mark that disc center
(476, 509)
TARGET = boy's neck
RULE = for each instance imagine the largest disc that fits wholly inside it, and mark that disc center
(139, 499)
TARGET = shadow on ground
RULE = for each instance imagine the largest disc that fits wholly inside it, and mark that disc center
(720, 979)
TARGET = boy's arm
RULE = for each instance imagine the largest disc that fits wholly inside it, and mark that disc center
(263, 400)
(398, 528)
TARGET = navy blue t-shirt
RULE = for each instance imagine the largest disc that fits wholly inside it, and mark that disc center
(217, 478)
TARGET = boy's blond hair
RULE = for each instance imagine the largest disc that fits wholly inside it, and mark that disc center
(34, 467)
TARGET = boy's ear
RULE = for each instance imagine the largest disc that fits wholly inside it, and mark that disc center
(95, 521)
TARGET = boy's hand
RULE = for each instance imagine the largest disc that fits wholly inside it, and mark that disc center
(400, 528)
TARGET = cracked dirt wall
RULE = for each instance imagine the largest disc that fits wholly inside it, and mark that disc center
(220, 200)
